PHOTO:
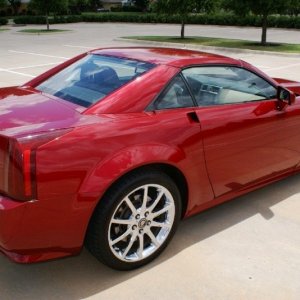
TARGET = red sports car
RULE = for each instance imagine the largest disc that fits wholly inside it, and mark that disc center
(112, 148)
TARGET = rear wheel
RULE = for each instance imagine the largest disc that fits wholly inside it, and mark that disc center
(135, 220)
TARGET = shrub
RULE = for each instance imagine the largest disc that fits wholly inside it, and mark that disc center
(3, 21)
(125, 9)
(30, 20)
(116, 8)
(135, 17)
(52, 20)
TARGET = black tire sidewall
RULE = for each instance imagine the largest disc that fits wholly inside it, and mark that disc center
(104, 212)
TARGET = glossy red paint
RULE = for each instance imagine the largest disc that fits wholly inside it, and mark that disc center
(136, 95)
(240, 153)
(167, 56)
(80, 153)
(289, 84)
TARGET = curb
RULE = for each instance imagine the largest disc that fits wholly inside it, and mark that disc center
(207, 48)
(41, 33)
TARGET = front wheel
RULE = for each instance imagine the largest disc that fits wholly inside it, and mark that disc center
(135, 221)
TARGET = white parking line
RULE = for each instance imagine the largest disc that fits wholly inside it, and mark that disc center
(34, 66)
(38, 54)
(284, 67)
(17, 73)
(262, 67)
(83, 47)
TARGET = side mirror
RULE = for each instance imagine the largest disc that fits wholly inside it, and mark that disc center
(285, 95)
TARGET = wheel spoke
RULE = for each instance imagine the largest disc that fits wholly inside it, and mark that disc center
(130, 205)
(121, 237)
(141, 247)
(160, 212)
(132, 240)
(162, 225)
(142, 222)
(122, 221)
(159, 196)
(153, 238)
(145, 198)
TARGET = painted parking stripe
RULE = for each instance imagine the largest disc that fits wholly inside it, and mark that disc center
(262, 67)
(38, 54)
(284, 67)
(75, 46)
(17, 73)
(33, 66)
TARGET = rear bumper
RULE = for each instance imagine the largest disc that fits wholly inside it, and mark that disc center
(11, 213)
(32, 231)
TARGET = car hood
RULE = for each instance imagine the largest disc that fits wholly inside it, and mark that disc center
(294, 86)
(26, 111)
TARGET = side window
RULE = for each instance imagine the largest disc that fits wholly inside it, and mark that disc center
(227, 85)
(175, 96)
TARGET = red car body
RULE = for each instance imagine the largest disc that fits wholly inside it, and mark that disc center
(79, 153)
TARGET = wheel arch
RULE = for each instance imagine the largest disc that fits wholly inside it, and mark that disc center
(173, 172)
(115, 167)
(99, 234)
(112, 170)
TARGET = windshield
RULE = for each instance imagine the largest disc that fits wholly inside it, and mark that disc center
(92, 78)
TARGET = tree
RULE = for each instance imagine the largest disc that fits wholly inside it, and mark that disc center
(94, 4)
(77, 6)
(207, 6)
(15, 5)
(239, 7)
(48, 6)
(262, 8)
(141, 4)
(176, 7)
(294, 8)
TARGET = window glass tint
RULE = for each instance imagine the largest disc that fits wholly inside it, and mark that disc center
(226, 85)
(92, 78)
(176, 95)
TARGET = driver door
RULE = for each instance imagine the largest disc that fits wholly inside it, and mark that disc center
(247, 139)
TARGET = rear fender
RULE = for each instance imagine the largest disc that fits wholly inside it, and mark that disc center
(113, 168)
(109, 170)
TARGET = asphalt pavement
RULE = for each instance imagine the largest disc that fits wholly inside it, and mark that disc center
(248, 248)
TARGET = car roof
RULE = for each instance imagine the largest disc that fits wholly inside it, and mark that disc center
(167, 56)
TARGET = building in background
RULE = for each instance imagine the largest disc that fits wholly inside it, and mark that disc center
(108, 4)
(113, 3)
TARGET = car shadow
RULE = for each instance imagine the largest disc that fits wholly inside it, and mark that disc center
(83, 276)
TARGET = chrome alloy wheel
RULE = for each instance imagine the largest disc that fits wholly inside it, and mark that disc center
(141, 223)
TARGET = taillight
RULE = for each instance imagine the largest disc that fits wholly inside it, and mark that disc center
(28, 172)
(4, 162)
(20, 172)
(18, 164)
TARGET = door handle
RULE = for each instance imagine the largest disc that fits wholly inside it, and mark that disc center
(192, 116)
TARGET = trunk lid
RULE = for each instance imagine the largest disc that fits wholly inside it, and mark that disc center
(28, 111)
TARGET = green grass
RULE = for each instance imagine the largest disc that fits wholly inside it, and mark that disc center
(42, 31)
(4, 29)
(218, 42)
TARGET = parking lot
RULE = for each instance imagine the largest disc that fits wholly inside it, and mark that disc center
(248, 248)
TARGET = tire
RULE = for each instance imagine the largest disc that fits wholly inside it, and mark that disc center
(127, 229)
